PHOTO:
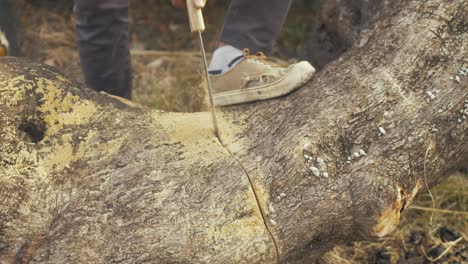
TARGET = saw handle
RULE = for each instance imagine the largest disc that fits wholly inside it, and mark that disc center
(195, 17)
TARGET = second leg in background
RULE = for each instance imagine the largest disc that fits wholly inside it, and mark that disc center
(254, 24)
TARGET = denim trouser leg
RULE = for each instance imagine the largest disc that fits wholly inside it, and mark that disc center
(103, 43)
(254, 24)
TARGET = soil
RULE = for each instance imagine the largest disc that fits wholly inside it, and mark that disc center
(167, 76)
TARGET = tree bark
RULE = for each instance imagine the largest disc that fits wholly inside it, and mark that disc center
(88, 178)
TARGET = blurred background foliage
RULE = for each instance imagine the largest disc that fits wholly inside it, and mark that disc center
(162, 79)
(155, 24)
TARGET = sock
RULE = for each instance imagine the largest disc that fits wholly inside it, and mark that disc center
(224, 58)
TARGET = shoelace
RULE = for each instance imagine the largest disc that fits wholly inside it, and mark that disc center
(259, 57)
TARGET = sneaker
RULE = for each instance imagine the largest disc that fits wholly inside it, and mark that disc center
(3, 51)
(3, 44)
(254, 78)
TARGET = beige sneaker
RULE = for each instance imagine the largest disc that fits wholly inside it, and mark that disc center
(3, 44)
(254, 78)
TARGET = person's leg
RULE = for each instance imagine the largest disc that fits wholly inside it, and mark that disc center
(254, 24)
(103, 44)
(248, 24)
(242, 77)
(9, 25)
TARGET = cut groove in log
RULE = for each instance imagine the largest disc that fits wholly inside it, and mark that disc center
(259, 204)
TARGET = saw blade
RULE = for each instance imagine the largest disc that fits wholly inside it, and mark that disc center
(209, 88)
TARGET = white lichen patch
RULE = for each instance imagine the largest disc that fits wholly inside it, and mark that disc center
(362, 153)
(271, 209)
(358, 154)
(382, 131)
(315, 171)
(463, 113)
(431, 95)
(321, 163)
(455, 78)
(463, 71)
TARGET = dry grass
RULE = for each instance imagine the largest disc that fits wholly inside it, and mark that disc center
(416, 240)
(168, 81)
(49, 37)
(162, 80)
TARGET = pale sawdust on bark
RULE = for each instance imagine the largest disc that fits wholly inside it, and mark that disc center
(58, 109)
(62, 109)
(195, 132)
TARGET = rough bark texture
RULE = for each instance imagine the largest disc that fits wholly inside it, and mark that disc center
(87, 178)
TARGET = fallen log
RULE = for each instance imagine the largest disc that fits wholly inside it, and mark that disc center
(88, 178)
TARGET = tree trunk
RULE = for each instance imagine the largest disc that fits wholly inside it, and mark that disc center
(87, 178)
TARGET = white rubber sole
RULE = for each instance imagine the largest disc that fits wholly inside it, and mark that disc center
(293, 80)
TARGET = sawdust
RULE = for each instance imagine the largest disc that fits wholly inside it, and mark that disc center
(229, 130)
(60, 155)
(246, 228)
(109, 147)
(194, 131)
(9, 90)
(193, 127)
(58, 109)
(62, 108)
(188, 127)
(10, 96)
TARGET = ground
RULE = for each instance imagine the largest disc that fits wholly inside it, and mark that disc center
(167, 76)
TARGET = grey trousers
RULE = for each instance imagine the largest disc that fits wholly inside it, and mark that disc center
(9, 24)
(103, 43)
(254, 24)
(103, 37)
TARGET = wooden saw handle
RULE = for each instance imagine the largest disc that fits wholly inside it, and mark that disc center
(195, 17)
